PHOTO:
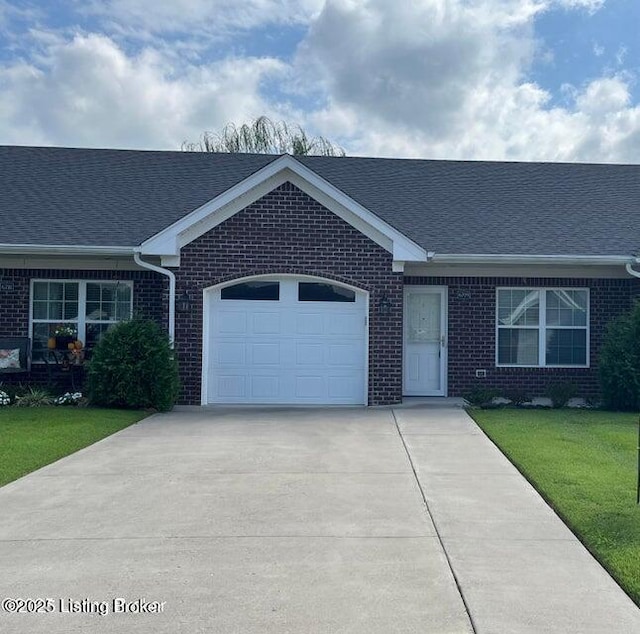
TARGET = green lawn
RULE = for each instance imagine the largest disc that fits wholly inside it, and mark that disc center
(584, 465)
(32, 437)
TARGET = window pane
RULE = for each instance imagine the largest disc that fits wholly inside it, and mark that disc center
(566, 308)
(93, 310)
(123, 311)
(94, 332)
(518, 307)
(124, 293)
(566, 347)
(517, 346)
(423, 317)
(109, 310)
(71, 292)
(55, 310)
(321, 292)
(70, 310)
(108, 292)
(40, 290)
(252, 291)
(40, 310)
(93, 292)
(40, 337)
(56, 291)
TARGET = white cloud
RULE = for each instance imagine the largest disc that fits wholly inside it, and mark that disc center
(87, 91)
(590, 5)
(417, 64)
(199, 16)
(621, 55)
(449, 79)
(426, 78)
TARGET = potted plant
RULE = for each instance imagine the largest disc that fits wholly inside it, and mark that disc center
(64, 335)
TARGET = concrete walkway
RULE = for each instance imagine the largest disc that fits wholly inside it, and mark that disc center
(302, 521)
(518, 566)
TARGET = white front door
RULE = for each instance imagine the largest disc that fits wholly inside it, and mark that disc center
(425, 339)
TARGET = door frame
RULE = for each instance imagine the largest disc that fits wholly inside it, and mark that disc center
(444, 330)
(206, 316)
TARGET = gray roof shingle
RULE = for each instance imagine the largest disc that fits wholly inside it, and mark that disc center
(122, 197)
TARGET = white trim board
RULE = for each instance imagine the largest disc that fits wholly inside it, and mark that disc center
(584, 271)
(169, 241)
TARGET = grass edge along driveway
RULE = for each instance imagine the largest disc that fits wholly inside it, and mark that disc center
(584, 465)
(33, 437)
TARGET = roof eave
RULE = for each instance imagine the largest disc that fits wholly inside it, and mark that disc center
(65, 249)
(512, 258)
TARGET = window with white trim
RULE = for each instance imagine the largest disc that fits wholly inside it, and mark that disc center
(542, 327)
(86, 308)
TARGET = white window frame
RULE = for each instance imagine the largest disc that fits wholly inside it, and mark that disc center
(82, 320)
(542, 326)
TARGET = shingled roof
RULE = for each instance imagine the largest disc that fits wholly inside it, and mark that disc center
(60, 196)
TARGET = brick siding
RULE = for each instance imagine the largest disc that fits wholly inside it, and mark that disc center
(149, 293)
(286, 231)
(472, 327)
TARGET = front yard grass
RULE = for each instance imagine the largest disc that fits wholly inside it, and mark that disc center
(584, 464)
(32, 437)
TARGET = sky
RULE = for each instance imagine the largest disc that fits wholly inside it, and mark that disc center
(526, 80)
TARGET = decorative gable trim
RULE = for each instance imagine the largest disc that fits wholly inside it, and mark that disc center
(168, 242)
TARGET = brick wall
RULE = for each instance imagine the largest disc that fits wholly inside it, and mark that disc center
(472, 339)
(149, 293)
(286, 231)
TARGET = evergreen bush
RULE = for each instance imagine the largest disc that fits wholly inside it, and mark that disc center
(480, 396)
(619, 363)
(133, 366)
(560, 394)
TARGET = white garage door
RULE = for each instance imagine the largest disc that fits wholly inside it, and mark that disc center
(286, 340)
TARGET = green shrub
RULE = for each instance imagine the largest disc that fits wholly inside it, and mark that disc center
(133, 366)
(480, 395)
(13, 390)
(518, 397)
(619, 363)
(34, 397)
(560, 394)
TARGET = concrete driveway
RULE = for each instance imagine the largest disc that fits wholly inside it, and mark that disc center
(301, 521)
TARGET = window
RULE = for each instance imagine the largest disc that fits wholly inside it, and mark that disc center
(252, 291)
(88, 308)
(321, 292)
(542, 327)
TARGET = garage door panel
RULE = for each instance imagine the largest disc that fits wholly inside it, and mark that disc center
(342, 323)
(309, 323)
(309, 353)
(344, 354)
(231, 386)
(265, 387)
(340, 387)
(231, 353)
(309, 387)
(266, 323)
(265, 354)
(286, 351)
(232, 322)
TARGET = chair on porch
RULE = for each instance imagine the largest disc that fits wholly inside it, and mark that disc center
(15, 355)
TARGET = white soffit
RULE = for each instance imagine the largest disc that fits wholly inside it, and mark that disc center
(169, 241)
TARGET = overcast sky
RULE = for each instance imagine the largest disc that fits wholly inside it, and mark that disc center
(467, 79)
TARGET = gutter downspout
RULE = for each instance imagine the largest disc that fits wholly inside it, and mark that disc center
(629, 268)
(172, 290)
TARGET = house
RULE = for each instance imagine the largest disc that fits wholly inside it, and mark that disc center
(317, 280)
